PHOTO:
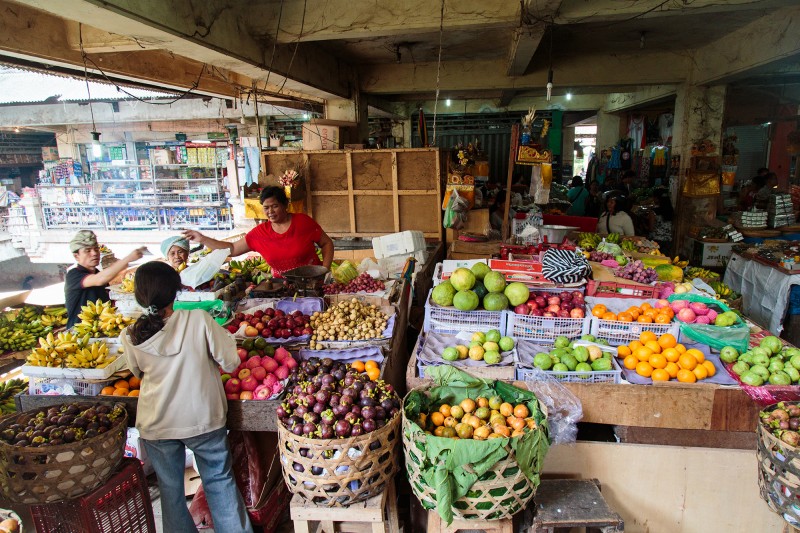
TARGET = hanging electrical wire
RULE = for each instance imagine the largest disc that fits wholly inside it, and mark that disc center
(296, 46)
(86, 79)
(438, 71)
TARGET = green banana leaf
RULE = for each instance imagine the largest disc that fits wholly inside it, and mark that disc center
(443, 469)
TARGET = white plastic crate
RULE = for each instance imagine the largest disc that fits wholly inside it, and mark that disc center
(76, 373)
(451, 320)
(595, 376)
(64, 386)
(618, 333)
(544, 329)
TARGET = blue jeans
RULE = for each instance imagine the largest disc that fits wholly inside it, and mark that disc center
(213, 458)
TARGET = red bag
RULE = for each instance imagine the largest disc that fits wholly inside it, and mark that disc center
(199, 510)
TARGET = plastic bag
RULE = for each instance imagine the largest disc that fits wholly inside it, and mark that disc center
(201, 514)
(218, 309)
(250, 476)
(205, 269)
(564, 409)
(455, 213)
(737, 335)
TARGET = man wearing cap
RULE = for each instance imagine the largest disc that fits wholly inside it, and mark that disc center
(176, 251)
(85, 282)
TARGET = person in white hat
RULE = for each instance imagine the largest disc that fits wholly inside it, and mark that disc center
(176, 251)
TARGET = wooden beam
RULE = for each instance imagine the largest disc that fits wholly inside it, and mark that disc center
(512, 158)
(524, 42)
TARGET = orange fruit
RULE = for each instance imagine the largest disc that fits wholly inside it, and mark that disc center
(134, 392)
(483, 402)
(667, 340)
(662, 318)
(121, 391)
(521, 411)
(645, 306)
(134, 382)
(681, 348)
(122, 384)
(643, 368)
(687, 361)
(635, 344)
(630, 362)
(643, 353)
(623, 351)
(654, 346)
(107, 391)
(710, 368)
(599, 310)
(358, 366)
(651, 313)
(506, 409)
(686, 376)
(657, 360)
(647, 336)
(445, 410)
(374, 373)
(609, 316)
(659, 374)
(700, 356)
(644, 319)
(625, 317)
(671, 354)
(672, 369)
(635, 311)
(437, 418)
(468, 405)
(669, 312)
(700, 372)
(371, 364)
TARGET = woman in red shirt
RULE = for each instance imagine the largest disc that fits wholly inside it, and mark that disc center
(285, 241)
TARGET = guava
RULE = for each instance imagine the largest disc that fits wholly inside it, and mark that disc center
(761, 370)
(517, 293)
(494, 281)
(491, 346)
(560, 367)
(480, 270)
(581, 354)
(561, 342)
(793, 373)
(740, 367)
(587, 337)
(728, 354)
(493, 335)
(760, 359)
(543, 361)
(443, 294)
(506, 344)
(780, 378)
(752, 379)
(795, 361)
(450, 354)
(492, 357)
(583, 367)
(601, 365)
(462, 279)
(479, 336)
(775, 365)
(570, 361)
(771, 343)
(465, 300)
(495, 302)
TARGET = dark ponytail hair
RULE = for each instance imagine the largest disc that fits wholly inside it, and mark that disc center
(155, 286)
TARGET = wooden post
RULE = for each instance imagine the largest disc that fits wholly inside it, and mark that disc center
(512, 157)
(350, 196)
(395, 196)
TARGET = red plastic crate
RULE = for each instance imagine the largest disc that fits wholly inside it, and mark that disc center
(121, 504)
(619, 290)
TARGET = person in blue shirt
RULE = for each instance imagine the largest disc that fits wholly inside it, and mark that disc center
(579, 196)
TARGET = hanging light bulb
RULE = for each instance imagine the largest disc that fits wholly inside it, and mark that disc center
(569, 96)
(549, 84)
(447, 102)
(97, 148)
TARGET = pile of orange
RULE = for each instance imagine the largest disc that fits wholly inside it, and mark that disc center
(662, 359)
(123, 387)
(372, 368)
(644, 313)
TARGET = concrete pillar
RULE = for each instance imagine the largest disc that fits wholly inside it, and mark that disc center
(607, 130)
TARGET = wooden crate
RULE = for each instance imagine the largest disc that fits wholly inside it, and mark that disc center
(378, 514)
(385, 191)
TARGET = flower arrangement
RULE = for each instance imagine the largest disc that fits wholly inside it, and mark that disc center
(289, 178)
(465, 156)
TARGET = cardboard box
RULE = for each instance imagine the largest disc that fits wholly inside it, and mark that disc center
(528, 272)
(473, 250)
(253, 209)
(450, 265)
(49, 153)
(710, 254)
(403, 243)
(163, 157)
(321, 135)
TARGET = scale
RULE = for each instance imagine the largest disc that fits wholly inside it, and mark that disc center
(307, 280)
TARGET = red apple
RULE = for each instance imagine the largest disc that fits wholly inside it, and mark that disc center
(577, 313)
(253, 362)
(232, 395)
(282, 372)
(563, 313)
(541, 302)
(253, 321)
(267, 333)
(239, 316)
(233, 385)
(553, 308)
(279, 313)
(268, 363)
(548, 314)
(270, 380)
(243, 373)
(233, 329)
(308, 331)
(296, 332)
(249, 383)
(259, 373)
(281, 354)
(290, 362)
(258, 314)
(259, 326)
(250, 331)
(554, 300)
(242, 353)
(263, 392)
(246, 395)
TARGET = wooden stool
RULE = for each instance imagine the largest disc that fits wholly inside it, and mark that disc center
(573, 503)
(436, 525)
(376, 515)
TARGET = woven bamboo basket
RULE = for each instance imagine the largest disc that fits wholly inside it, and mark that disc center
(35, 476)
(779, 475)
(499, 493)
(353, 469)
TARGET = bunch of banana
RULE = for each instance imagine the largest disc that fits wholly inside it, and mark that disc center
(100, 319)
(613, 238)
(9, 389)
(702, 273)
(95, 355)
(629, 246)
(28, 314)
(254, 269)
(53, 349)
(720, 288)
(15, 340)
(588, 241)
(678, 263)
(127, 282)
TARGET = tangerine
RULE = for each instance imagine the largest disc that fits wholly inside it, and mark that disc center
(700, 356)
(134, 392)
(686, 376)
(599, 310)
(700, 372)
(635, 344)
(437, 418)
(122, 384)
(672, 369)
(647, 336)
(134, 382)
(623, 351)
(506, 409)
(374, 373)
(644, 319)
(121, 391)
(657, 360)
(681, 348)
(630, 362)
(107, 391)
(710, 368)
(635, 311)
(625, 317)
(645, 306)
(643, 353)
(371, 364)
(659, 374)
(609, 316)
(643, 368)
(521, 411)
(663, 318)
(468, 405)
(687, 361)
(358, 366)
(671, 354)
(445, 410)
(654, 346)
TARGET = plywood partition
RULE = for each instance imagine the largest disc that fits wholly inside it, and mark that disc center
(367, 193)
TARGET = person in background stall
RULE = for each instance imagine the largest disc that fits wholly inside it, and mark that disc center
(497, 209)
(770, 187)
(595, 200)
(747, 196)
(182, 402)
(660, 223)
(85, 283)
(285, 241)
(579, 196)
(625, 185)
(615, 218)
(176, 251)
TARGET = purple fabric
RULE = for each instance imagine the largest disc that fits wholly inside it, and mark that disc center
(346, 356)
(720, 378)
(307, 306)
(430, 353)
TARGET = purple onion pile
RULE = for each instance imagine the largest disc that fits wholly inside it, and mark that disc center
(327, 399)
(363, 283)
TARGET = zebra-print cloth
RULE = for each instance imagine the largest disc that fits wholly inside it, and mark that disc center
(564, 266)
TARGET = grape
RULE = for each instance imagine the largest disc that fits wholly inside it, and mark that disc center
(636, 271)
(363, 283)
(599, 257)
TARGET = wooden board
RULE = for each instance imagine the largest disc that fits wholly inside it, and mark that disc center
(414, 213)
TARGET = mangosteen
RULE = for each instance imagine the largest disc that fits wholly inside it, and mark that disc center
(80, 422)
(319, 408)
(334, 400)
(37, 434)
(316, 470)
(351, 417)
(8, 435)
(90, 433)
(65, 420)
(300, 410)
(93, 426)
(358, 386)
(22, 442)
(326, 431)
(309, 428)
(311, 417)
(298, 467)
(380, 413)
(21, 436)
(342, 428)
(368, 412)
(369, 425)
(366, 402)
(72, 410)
(103, 409)
(356, 430)
(338, 374)
(370, 385)
(346, 400)
(56, 442)
(387, 404)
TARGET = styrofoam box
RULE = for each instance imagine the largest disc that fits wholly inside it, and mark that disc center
(405, 242)
(391, 267)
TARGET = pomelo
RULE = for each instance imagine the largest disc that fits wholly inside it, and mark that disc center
(494, 282)
(517, 293)
(495, 301)
(465, 300)
(480, 270)
(462, 279)
(443, 294)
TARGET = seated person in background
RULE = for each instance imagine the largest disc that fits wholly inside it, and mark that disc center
(747, 197)
(761, 197)
(595, 200)
(615, 219)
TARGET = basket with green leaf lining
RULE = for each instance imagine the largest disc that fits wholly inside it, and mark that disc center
(472, 479)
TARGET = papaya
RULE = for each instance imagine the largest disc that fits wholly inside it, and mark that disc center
(653, 261)
(669, 273)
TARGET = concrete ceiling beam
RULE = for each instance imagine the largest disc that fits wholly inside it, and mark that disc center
(620, 102)
(578, 11)
(570, 73)
(770, 41)
(343, 19)
(524, 42)
(213, 33)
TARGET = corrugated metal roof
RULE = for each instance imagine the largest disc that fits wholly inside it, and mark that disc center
(18, 86)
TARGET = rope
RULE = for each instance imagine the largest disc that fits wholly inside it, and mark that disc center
(438, 71)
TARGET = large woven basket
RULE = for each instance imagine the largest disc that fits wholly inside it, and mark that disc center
(353, 469)
(499, 493)
(48, 474)
(779, 475)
